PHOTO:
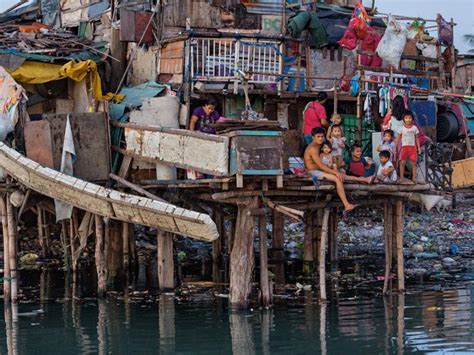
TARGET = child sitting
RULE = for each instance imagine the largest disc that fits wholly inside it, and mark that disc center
(336, 120)
(338, 143)
(386, 171)
(388, 143)
(356, 164)
(410, 145)
(326, 156)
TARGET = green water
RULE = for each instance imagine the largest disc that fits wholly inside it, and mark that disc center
(428, 321)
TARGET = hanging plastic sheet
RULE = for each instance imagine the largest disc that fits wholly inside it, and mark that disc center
(31, 72)
(11, 93)
(445, 33)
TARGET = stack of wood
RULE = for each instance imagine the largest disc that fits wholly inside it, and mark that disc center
(247, 125)
(41, 39)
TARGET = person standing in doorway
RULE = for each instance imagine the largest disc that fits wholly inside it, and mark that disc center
(314, 115)
(203, 116)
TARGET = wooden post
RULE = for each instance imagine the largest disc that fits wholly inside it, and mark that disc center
(12, 232)
(100, 257)
(126, 247)
(277, 247)
(40, 222)
(65, 244)
(113, 254)
(322, 255)
(332, 240)
(6, 252)
(217, 247)
(387, 234)
(317, 222)
(308, 260)
(399, 240)
(264, 280)
(164, 253)
(242, 256)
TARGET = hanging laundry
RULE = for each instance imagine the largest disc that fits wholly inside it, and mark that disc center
(355, 85)
(368, 114)
(383, 104)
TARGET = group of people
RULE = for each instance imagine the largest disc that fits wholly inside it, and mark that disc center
(326, 144)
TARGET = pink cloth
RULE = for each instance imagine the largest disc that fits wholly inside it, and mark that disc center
(314, 113)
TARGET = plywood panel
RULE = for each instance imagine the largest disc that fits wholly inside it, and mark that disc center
(463, 173)
(171, 58)
(38, 142)
(91, 141)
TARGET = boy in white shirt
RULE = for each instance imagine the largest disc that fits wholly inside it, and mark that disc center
(386, 171)
(410, 145)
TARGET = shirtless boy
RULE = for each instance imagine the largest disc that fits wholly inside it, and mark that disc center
(318, 171)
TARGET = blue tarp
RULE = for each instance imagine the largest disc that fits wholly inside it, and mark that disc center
(425, 112)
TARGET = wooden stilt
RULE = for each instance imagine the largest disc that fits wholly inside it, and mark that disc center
(401, 324)
(317, 222)
(167, 326)
(12, 234)
(99, 257)
(332, 240)
(322, 255)
(388, 224)
(114, 254)
(241, 334)
(40, 222)
(126, 247)
(264, 279)
(65, 244)
(165, 261)
(399, 241)
(242, 256)
(217, 247)
(308, 260)
(277, 247)
(6, 252)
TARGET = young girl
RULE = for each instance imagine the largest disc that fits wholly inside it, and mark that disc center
(326, 156)
(336, 120)
(338, 143)
(410, 145)
(388, 144)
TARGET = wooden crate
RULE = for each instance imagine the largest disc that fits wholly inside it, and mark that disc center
(256, 153)
(463, 173)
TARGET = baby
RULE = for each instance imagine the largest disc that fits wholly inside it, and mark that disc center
(388, 143)
(386, 171)
(338, 143)
(326, 156)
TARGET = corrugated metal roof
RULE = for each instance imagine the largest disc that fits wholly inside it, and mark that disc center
(264, 7)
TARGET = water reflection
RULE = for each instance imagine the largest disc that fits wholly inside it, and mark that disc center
(431, 321)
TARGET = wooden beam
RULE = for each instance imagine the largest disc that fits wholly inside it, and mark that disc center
(308, 266)
(99, 257)
(12, 251)
(136, 188)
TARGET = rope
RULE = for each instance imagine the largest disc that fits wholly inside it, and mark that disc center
(7, 278)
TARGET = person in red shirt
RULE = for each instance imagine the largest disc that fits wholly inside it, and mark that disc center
(314, 115)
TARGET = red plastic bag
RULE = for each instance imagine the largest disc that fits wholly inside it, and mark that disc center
(369, 43)
(349, 40)
(360, 20)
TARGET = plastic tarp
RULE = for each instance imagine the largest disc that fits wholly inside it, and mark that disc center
(11, 94)
(31, 72)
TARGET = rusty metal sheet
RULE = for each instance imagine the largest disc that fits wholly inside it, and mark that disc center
(132, 25)
(91, 141)
(38, 142)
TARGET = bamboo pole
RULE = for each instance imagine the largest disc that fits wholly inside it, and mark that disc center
(12, 233)
(6, 252)
(264, 279)
(40, 222)
(322, 254)
(387, 232)
(99, 257)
